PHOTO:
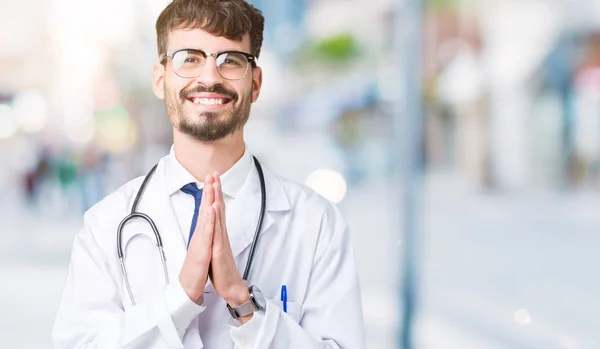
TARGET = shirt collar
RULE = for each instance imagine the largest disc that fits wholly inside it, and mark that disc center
(177, 176)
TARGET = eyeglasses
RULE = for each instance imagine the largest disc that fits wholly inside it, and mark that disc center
(231, 65)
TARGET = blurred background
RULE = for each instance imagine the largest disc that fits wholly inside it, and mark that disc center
(506, 121)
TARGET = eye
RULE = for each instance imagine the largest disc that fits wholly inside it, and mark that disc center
(232, 62)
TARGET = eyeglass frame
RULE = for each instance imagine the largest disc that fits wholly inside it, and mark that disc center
(251, 59)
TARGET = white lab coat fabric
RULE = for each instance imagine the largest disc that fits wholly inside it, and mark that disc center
(304, 244)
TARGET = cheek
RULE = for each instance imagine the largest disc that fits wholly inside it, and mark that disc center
(247, 90)
(172, 91)
(174, 85)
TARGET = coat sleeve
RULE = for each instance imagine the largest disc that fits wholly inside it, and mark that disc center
(91, 313)
(332, 310)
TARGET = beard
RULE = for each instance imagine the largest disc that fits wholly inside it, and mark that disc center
(208, 126)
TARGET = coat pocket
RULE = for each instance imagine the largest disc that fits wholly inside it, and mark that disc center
(294, 310)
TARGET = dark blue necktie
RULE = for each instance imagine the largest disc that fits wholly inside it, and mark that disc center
(193, 190)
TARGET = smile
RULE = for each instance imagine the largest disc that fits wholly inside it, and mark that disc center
(214, 100)
(209, 101)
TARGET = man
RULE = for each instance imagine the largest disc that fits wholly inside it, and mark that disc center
(208, 76)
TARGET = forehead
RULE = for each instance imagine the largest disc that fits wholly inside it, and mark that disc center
(200, 39)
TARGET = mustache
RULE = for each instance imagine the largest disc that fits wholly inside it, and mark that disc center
(218, 88)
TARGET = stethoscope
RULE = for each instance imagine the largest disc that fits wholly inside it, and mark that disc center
(159, 244)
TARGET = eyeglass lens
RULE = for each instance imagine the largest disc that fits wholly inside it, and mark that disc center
(230, 65)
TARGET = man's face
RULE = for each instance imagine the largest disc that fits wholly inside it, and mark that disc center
(208, 107)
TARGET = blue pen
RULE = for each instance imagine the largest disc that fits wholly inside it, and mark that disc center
(284, 298)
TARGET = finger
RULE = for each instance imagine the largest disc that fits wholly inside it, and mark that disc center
(207, 197)
(224, 247)
(209, 185)
(209, 228)
(201, 223)
(209, 179)
(223, 224)
(209, 234)
(217, 186)
(201, 242)
(221, 218)
(219, 196)
(203, 201)
(218, 236)
(217, 177)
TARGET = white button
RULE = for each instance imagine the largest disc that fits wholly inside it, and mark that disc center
(243, 341)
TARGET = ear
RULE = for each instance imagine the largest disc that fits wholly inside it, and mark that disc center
(256, 83)
(158, 80)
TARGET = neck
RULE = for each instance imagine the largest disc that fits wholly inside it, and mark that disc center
(204, 158)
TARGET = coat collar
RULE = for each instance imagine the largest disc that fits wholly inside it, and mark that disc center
(177, 176)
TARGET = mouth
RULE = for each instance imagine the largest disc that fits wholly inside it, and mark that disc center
(210, 101)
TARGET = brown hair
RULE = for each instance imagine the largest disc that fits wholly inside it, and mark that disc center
(228, 18)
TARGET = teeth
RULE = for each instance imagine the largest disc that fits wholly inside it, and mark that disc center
(208, 101)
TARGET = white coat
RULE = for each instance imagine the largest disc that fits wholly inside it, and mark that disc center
(304, 244)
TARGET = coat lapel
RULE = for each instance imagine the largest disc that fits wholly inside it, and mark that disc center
(242, 216)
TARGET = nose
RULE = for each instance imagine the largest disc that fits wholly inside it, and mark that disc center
(209, 76)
